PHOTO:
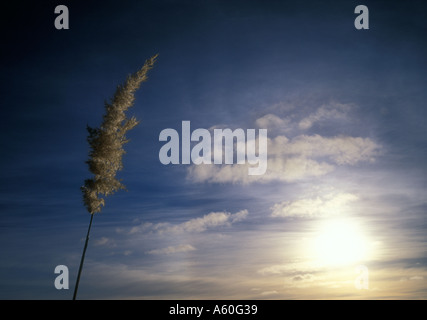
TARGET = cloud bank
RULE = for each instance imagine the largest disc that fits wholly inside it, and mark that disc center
(297, 157)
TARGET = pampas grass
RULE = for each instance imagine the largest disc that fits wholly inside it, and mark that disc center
(106, 142)
(106, 148)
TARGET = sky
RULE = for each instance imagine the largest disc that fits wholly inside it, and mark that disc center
(341, 211)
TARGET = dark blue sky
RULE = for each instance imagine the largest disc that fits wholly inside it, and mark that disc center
(346, 114)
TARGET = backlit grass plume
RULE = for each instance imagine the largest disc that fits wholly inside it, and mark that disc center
(106, 148)
(106, 142)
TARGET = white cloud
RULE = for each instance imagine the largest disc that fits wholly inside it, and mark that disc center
(196, 225)
(274, 270)
(239, 216)
(339, 150)
(330, 204)
(104, 241)
(173, 249)
(292, 168)
(333, 111)
(297, 156)
(211, 220)
(278, 169)
(271, 121)
(293, 159)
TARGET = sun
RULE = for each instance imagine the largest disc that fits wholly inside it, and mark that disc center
(340, 242)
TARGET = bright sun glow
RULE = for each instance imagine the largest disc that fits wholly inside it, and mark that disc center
(340, 242)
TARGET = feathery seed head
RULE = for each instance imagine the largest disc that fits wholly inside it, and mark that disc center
(106, 142)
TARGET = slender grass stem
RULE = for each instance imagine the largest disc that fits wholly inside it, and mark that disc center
(83, 258)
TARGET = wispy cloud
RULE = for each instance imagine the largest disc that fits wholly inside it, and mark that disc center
(104, 241)
(269, 293)
(173, 249)
(337, 150)
(195, 225)
(332, 111)
(292, 268)
(271, 121)
(327, 205)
